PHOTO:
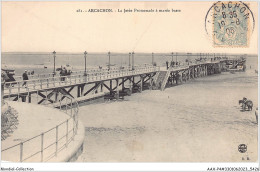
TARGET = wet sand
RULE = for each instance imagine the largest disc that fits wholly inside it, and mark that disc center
(198, 121)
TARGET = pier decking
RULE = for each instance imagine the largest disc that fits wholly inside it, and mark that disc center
(94, 81)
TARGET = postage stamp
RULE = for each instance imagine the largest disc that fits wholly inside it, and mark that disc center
(231, 23)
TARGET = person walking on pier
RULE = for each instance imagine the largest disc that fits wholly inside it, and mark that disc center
(25, 78)
(167, 65)
(63, 73)
(172, 63)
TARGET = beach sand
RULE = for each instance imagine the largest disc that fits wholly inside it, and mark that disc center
(199, 121)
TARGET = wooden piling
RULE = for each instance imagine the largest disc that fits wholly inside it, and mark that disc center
(117, 89)
(123, 84)
(141, 84)
(78, 91)
(111, 88)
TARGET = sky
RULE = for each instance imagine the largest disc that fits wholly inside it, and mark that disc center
(49, 26)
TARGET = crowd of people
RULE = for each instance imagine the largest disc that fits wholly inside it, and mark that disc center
(8, 76)
(64, 72)
(171, 64)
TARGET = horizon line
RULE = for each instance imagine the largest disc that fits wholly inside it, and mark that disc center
(118, 52)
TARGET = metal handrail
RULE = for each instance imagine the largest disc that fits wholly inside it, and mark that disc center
(35, 84)
(53, 82)
(73, 113)
(91, 70)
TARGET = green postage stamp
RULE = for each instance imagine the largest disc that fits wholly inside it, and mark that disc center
(231, 24)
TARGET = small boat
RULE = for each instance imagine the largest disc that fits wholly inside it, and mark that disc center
(46, 62)
(110, 64)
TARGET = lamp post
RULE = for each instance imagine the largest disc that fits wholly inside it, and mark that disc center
(176, 58)
(130, 60)
(172, 56)
(85, 56)
(133, 64)
(109, 61)
(54, 56)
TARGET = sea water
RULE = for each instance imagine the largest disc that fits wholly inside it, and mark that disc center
(44, 62)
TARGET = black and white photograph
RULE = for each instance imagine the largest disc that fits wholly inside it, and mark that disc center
(129, 82)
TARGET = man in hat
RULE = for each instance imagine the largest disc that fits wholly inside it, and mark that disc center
(25, 78)
(167, 64)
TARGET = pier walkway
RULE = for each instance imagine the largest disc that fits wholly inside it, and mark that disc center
(94, 81)
(35, 85)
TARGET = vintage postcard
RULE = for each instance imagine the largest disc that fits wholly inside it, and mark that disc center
(139, 82)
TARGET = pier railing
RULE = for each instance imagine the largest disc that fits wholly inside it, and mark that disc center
(18, 87)
(76, 72)
(38, 148)
(79, 77)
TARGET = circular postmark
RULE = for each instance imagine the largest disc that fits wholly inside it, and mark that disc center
(242, 148)
(229, 24)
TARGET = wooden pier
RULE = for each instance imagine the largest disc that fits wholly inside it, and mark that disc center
(79, 85)
(112, 84)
